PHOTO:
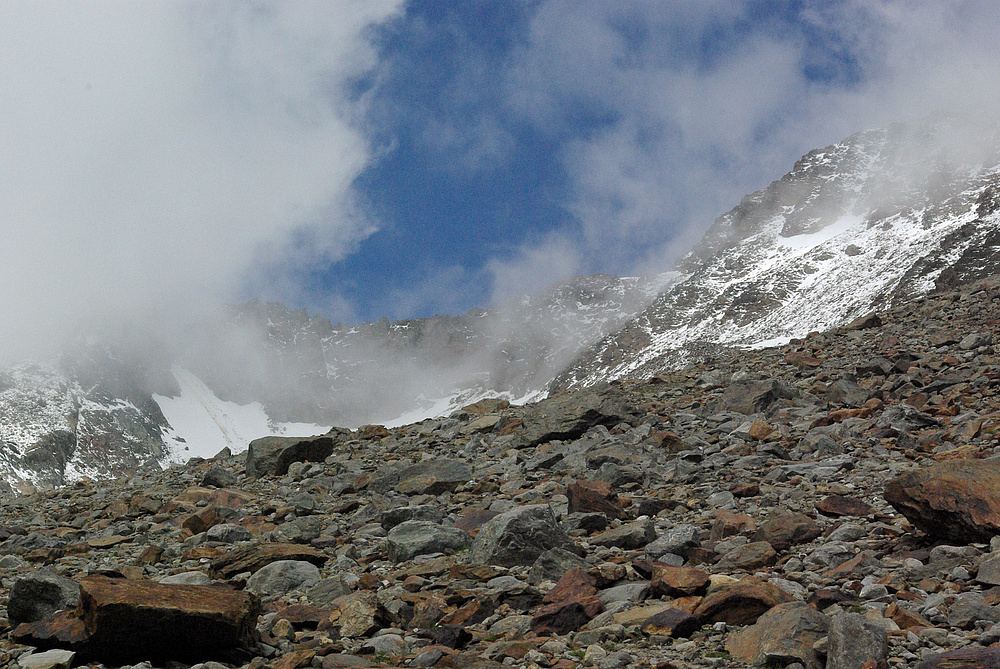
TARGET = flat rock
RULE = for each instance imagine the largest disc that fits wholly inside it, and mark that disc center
(253, 557)
(628, 536)
(271, 456)
(957, 501)
(281, 577)
(594, 496)
(40, 594)
(672, 623)
(787, 530)
(964, 658)
(421, 537)
(50, 659)
(843, 505)
(670, 581)
(748, 397)
(740, 603)
(570, 415)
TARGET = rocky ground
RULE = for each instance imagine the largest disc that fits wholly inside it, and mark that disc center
(828, 503)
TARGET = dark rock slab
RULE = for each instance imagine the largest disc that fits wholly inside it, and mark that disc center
(565, 616)
(787, 530)
(254, 557)
(957, 501)
(40, 594)
(421, 537)
(844, 505)
(271, 456)
(749, 397)
(570, 415)
(854, 641)
(594, 497)
(964, 658)
(672, 623)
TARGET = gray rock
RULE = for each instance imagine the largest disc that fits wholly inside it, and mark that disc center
(570, 415)
(218, 477)
(677, 541)
(785, 634)
(50, 659)
(228, 533)
(845, 392)
(187, 578)
(399, 514)
(281, 577)
(747, 397)
(635, 591)
(271, 456)
(299, 530)
(519, 536)
(326, 591)
(420, 537)
(553, 563)
(629, 536)
(965, 611)
(855, 640)
(989, 570)
(303, 503)
(40, 594)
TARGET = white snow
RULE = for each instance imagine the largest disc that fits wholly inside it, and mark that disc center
(803, 243)
(201, 424)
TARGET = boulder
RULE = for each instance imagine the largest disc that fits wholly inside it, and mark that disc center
(420, 537)
(519, 536)
(255, 556)
(854, 641)
(281, 577)
(40, 594)
(271, 456)
(783, 635)
(670, 581)
(594, 496)
(748, 397)
(964, 658)
(957, 501)
(740, 603)
(570, 415)
(787, 530)
(552, 564)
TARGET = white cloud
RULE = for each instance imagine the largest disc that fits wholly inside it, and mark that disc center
(150, 153)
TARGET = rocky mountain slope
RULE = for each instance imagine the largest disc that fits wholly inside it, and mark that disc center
(863, 224)
(829, 503)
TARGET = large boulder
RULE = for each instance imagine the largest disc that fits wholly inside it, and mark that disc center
(40, 594)
(956, 501)
(749, 397)
(785, 634)
(271, 456)
(519, 536)
(854, 641)
(421, 537)
(570, 415)
(281, 577)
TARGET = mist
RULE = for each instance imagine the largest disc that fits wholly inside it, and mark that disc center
(161, 158)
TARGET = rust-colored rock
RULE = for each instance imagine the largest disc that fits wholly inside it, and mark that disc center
(957, 501)
(253, 557)
(594, 497)
(566, 616)
(575, 584)
(672, 623)
(670, 581)
(740, 603)
(785, 633)
(120, 621)
(784, 531)
(842, 505)
(964, 658)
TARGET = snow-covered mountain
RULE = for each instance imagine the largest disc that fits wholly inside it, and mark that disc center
(879, 218)
(876, 219)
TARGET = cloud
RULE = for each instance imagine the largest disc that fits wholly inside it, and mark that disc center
(534, 266)
(688, 106)
(159, 155)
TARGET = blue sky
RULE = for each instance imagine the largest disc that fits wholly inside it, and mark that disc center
(362, 158)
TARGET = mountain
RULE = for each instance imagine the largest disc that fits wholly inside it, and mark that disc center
(859, 226)
(855, 227)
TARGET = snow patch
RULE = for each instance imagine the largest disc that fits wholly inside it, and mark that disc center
(201, 424)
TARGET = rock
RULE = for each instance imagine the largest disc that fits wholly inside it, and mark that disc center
(552, 564)
(740, 603)
(565, 616)
(519, 536)
(575, 584)
(749, 557)
(50, 659)
(844, 392)
(254, 557)
(784, 531)
(842, 505)
(964, 658)
(218, 477)
(399, 514)
(228, 533)
(175, 622)
(677, 540)
(629, 536)
(672, 623)
(570, 415)
(433, 477)
(669, 581)
(420, 537)
(40, 594)
(594, 497)
(326, 591)
(785, 634)
(361, 614)
(281, 577)
(956, 501)
(748, 397)
(854, 640)
(187, 578)
(271, 456)
(302, 530)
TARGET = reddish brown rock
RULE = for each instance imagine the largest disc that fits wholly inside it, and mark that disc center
(670, 581)
(726, 524)
(782, 635)
(565, 617)
(957, 501)
(964, 658)
(842, 505)
(672, 622)
(740, 603)
(594, 497)
(575, 584)
(252, 558)
(785, 531)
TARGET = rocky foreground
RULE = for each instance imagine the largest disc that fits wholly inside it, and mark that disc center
(834, 502)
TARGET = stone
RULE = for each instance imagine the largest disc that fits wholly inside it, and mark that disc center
(187, 578)
(519, 536)
(740, 603)
(855, 640)
(570, 415)
(749, 557)
(301, 530)
(255, 556)
(361, 614)
(550, 565)
(565, 616)
(677, 540)
(670, 581)
(271, 456)
(228, 533)
(844, 392)
(594, 497)
(175, 622)
(433, 477)
(956, 501)
(964, 658)
(574, 584)
(749, 397)
(843, 505)
(785, 634)
(989, 570)
(672, 623)
(420, 537)
(50, 659)
(281, 577)
(400, 514)
(218, 477)
(40, 594)
(786, 530)
(629, 536)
